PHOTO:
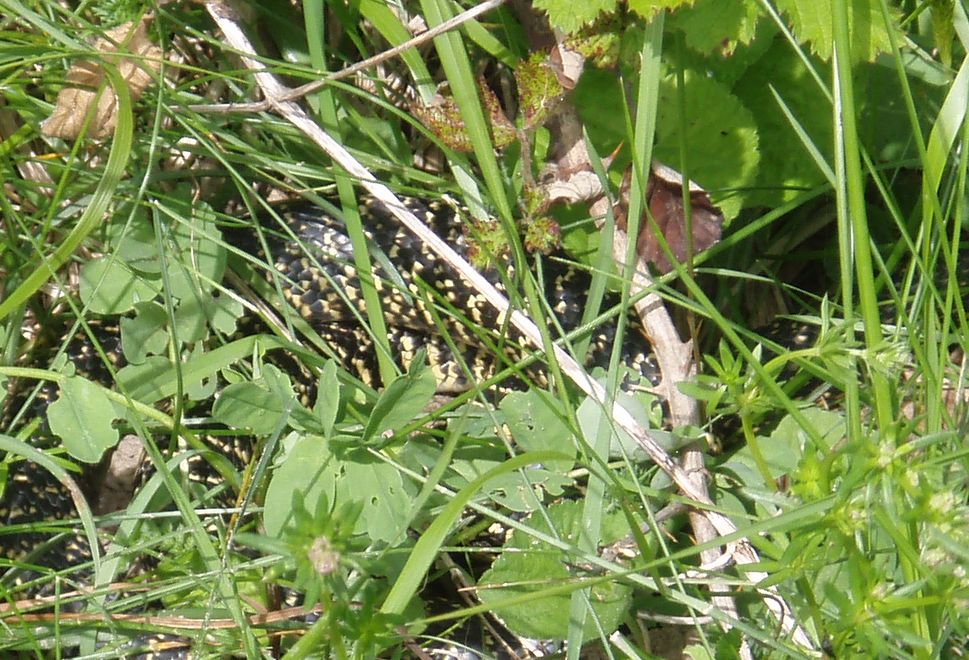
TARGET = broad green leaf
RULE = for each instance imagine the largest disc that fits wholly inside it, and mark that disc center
(256, 406)
(783, 449)
(943, 29)
(529, 567)
(590, 415)
(811, 22)
(649, 8)
(402, 400)
(514, 490)
(599, 101)
(201, 257)
(192, 318)
(145, 334)
(519, 491)
(148, 381)
(108, 286)
(224, 313)
(721, 138)
(205, 385)
(310, 470)
(379, 486)
(327, 398)
(314, 471)
(426, 549)
(82, 416)
(570, 15)
(134, 243)
(715, 26)
(249, 407)
(537, 425)
(786, 168)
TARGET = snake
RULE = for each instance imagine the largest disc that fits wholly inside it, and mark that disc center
(304, 251)
(424, 302)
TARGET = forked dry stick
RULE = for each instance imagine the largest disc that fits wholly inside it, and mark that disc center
(741, 549)
(353, 69)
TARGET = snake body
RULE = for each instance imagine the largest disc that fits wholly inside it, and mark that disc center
(426, 305)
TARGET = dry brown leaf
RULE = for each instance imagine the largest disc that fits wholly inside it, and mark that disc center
(85, 78)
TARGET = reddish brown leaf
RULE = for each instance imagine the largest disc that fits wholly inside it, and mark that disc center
(667, 215)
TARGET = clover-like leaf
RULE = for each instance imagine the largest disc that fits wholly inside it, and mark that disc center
(108, 286)
(82, 417)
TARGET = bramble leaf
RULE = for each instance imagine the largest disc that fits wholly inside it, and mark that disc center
(721, 139)
(649, 8)
(811, 21)
(785, 168)
(713, 25)
(570, 15)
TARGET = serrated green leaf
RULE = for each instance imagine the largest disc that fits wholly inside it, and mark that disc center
(570, 15)
(786, 170)
(649, 8)
(716, 26)
(402, 401)
(726, 70)
(82, 416)
(721, 139)
(108, 286)
(811, 23)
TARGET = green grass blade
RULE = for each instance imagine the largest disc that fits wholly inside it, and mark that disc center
(113, 172)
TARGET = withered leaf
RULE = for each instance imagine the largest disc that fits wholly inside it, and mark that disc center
(664, 196)
(85, 77)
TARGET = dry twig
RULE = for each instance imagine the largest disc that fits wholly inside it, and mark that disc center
(352, 70)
